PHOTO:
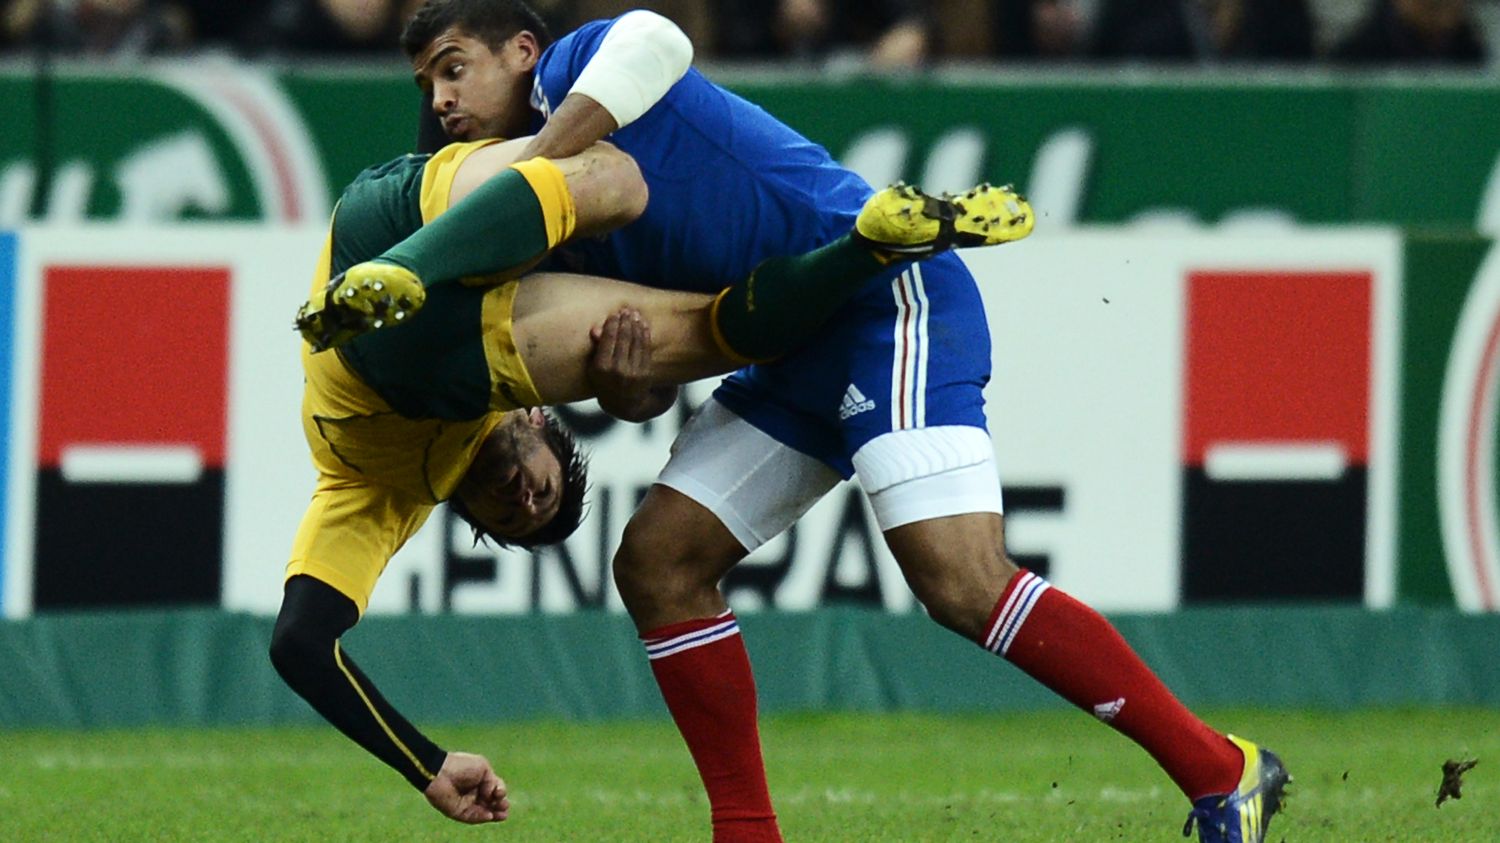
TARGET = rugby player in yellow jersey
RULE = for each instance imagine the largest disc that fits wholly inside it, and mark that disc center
(428, 360)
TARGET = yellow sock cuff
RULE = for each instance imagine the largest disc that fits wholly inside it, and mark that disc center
(551, 189)
(722, 341)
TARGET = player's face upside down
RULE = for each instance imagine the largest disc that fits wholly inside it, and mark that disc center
(514, 486)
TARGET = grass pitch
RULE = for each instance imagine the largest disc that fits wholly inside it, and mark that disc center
(1053, 776)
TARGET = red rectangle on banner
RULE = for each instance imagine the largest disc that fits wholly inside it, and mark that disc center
(1278, 356)
(134, 355)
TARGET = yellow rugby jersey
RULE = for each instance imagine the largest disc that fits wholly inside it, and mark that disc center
(382, 470)
(379, 475)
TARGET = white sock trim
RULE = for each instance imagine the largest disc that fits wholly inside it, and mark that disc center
(1028, 589)
(660, 648)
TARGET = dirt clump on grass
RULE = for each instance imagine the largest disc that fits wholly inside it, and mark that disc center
(1453, 779)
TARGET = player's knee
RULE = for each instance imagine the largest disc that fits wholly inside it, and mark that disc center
(629, 191)
(645, 561)
(956, 566)
(611, 192)
(959, 588)
(656, 567)
(954, 611)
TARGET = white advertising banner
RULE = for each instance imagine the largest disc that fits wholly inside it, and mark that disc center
(155, 444)
(1134, 413)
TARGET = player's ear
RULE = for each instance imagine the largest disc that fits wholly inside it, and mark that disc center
(524, 49)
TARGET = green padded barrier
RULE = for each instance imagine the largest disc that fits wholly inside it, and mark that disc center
(209, 668)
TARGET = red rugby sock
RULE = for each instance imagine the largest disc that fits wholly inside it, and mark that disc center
(705, 678)
(1073, 650)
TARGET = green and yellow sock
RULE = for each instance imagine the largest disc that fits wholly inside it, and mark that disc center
(786, 299)
(501, 229)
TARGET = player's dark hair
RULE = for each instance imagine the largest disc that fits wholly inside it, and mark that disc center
(491, 21)
(575, 488)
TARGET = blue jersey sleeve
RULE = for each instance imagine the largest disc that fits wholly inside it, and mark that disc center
(560, 64)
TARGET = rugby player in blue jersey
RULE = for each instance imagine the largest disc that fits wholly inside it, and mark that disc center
(891, 393)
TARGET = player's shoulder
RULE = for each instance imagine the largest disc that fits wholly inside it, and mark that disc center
(561, 62)
(582, 38)
(592, 29)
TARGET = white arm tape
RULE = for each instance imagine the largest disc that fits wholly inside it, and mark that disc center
(641, 57)
(902, 455)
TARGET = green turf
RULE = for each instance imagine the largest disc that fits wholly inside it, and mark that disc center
(1050, 776)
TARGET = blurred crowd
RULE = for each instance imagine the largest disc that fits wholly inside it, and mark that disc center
(883, 34)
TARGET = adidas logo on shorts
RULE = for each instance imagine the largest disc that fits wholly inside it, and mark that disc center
(854, 403)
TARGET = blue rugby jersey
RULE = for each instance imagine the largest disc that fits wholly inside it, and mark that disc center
(730, 185)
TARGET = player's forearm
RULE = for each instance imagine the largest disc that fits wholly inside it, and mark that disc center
(305, 651)
(641, 57)
(578, 123)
